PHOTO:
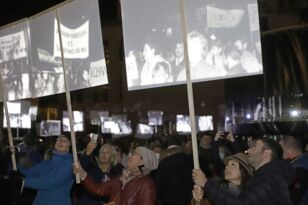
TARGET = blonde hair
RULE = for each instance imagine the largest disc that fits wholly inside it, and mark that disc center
(113, 158)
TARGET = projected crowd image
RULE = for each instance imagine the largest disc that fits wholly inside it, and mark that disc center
(78, 121)
(31, 55)
(223, 41)
(50, 128)
(14, 61)
(19, 114)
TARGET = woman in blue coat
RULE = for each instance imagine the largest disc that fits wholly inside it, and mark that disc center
(52, 178)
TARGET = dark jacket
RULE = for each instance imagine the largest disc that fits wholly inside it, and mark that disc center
(138, 191)
(173, 179)
(269, 186)
(299, 188)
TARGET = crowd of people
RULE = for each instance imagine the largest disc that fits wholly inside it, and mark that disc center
(209, 58)
(159, 171)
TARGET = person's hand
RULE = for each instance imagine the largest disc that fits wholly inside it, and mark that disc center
(78, 170)
(230, 137)
(199, 177)
(90, 147)
(219, 135)
(197, 193)
(12, 149)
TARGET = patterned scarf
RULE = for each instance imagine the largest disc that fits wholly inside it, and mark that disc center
(128, 175)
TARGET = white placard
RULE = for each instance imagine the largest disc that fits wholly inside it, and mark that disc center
(219, 18)
(75, 41)
(98, 73)
(13, 46)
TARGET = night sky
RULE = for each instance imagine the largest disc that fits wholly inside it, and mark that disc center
(14, 10)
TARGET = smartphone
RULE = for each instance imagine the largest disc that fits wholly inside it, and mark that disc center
(93, 137)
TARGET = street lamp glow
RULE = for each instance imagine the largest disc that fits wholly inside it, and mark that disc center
(294, 113)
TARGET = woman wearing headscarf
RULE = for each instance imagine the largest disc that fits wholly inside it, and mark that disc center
(133, 187)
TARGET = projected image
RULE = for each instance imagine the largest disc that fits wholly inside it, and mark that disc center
(33, 112)
(47, 71)
(78, 121)
(19, 113)
(144, 131)
(205, 123)
(50, 128)
(95, 116)
(119, 117)
(155, 117)
(82, 43)
(82, 49)
(115, 126)
(223, 41)
(183, 124)
(14, 61)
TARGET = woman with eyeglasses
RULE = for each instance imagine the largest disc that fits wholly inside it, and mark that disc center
(133, 187)
(103, 167)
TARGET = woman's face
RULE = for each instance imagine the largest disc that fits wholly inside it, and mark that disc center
(232, 171)
(135, 160)
(62, 145)
(105, 155)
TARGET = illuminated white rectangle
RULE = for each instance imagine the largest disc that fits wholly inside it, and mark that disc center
(15, 61)
(50, 128)
(78, 121)
(82, 44)
(205, 123)
(223, 41)
(155, 117)
(19, 114)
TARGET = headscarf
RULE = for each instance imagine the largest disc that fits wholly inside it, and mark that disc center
(149, 158)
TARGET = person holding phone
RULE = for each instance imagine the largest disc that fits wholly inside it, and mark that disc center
(102, 167)
(133, 187)
(51, 178)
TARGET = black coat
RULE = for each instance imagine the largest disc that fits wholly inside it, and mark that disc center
(173, 180)
(269, 186)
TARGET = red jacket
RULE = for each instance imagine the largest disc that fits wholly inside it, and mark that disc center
(138, 191)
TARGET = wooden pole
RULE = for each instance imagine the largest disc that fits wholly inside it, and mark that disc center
(68, 99)
(189, 87)
(9, 130)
